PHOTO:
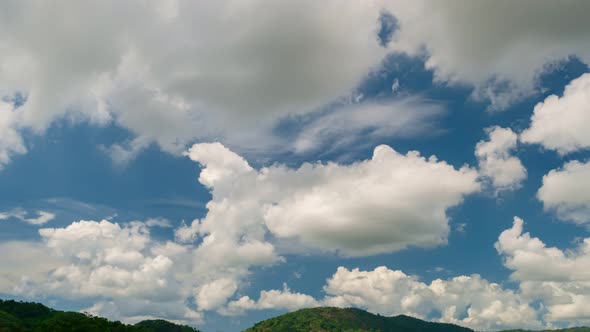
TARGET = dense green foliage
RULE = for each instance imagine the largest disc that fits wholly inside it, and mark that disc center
(348, 320)
(160, 325)
(34, 317)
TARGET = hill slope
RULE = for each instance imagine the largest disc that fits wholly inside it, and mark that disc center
(34, 317)
(348, 320)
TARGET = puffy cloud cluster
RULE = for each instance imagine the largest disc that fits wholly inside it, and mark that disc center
(383, 204)
(559, 123)
(28, 263)
(496, 163)
(271, 299)
(465, 300)
(121, 267)
(565, 191)
(554, 289)
(560, 279)
(174, 71)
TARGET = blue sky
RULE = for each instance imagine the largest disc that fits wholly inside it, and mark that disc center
(178, 169)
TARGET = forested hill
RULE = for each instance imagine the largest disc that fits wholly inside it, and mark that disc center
(34, 317)
(348, 320)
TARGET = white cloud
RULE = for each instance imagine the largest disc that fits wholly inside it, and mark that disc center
(496, 163)
(560, 279)
(565, 191)
(559, 123)
(175, 71)
(23, 263)
(128, 274)
(20, 214)
(271, 299)
(215, 294)
(121, 268)
(499, 47)
(379, 205)
(11, 142)
(465, 300)
(158, 222)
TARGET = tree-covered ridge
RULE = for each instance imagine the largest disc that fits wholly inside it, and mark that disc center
(329, 319)
(35, 317)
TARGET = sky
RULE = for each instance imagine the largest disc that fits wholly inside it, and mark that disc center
(219, 163)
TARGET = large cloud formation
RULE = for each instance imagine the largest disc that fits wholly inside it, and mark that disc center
(499, 47)
(380, 205)
(466, 300)
(558, 278)
(174, 71)
(128, 274)
(553, 290)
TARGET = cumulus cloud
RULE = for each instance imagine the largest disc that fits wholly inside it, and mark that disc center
(559, 278)
(498, 47)
(215, 294)
(273, 299)
(122, 268)
(382, 204)
(466, 300)
(128, 274)
(504, 171)
(175, 71)
(553, 289)
(110, 259)
(27, 263)
(564, 191)
(559, 123)
(20, 214)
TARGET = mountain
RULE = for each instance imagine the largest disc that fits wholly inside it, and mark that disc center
(35, 317)
(327, 319)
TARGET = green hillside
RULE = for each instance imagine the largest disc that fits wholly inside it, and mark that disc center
(348, 320)
(34, 317)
